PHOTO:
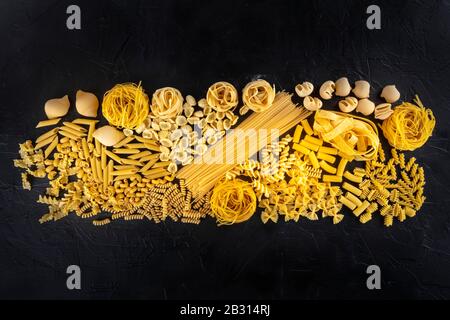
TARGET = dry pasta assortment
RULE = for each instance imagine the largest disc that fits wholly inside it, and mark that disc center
(171, 156)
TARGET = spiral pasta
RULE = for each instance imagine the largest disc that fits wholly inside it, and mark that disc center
(409, 126)
(222, 96)
(167, 103)
(125, 105)
(258, 95)
(233, 201)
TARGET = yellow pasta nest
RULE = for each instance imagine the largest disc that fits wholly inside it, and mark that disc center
(125, 105)
(258, 95)
(222, 96)
(410, 126)
(233, 201)
(354, 136)
(167, 103)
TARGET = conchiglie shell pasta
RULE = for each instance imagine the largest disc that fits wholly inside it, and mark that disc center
(56, 108)
(86, 104)
(108, 136)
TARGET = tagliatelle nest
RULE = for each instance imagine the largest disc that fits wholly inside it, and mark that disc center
(125, 105)
(167, 103)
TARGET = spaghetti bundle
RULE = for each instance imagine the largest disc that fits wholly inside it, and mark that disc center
(222, 96)
(409, 126)
(233, 201)
(258, 95)
(282, 116)
(167, 103)
(354, 136)
(125, 105)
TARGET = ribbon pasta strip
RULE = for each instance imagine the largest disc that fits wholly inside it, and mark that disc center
(354, 136)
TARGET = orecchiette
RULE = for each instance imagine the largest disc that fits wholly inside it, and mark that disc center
(191, 100)
(202, 103)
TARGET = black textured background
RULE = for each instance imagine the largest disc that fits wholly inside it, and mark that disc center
(189, 45)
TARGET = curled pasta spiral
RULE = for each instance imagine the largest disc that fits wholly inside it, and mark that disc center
(410, 126)
(222, 96)
(258, 95)
(167, 103)
(233, 201)
(125, 105)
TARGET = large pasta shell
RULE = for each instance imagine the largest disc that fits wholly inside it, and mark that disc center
(55, 108)
(108, 136)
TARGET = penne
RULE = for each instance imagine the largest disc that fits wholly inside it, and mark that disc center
(51, 147)
(74, 126)
(84, 121)
(124, 142)
(46, 135)
(46, 123)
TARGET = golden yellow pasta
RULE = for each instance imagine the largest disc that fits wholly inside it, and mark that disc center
(125, 105)
(258, 95)
(409, 126)
(233, 201)
(167, 103)
(353, 136)
(222, 96)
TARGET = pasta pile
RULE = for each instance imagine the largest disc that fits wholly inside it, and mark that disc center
(114, 181)
(354, 136)
(409, 126)
(201, 176)
(182, 162)
(382, 188)
(289, 187)
(125, 105)
(233, 201)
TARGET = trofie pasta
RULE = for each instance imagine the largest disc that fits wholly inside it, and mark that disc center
(409, 126)
(258, 95)
(125, 105)
(180, 161)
